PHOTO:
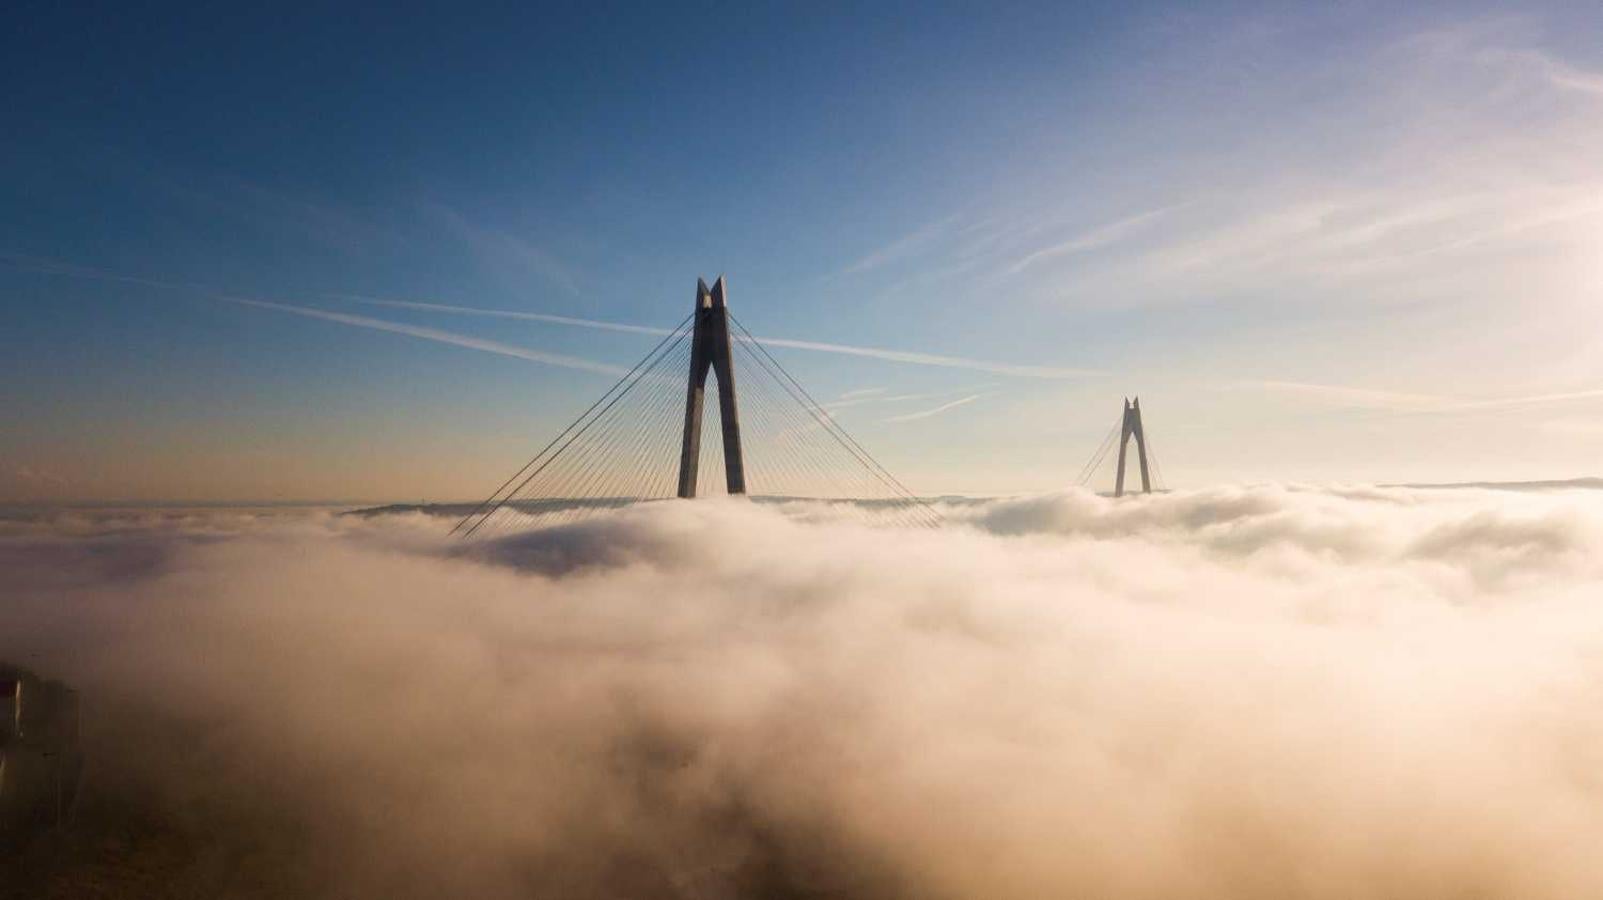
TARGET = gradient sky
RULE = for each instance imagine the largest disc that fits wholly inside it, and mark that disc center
(1348, 243)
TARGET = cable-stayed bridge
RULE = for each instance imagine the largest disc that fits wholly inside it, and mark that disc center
(653, 436)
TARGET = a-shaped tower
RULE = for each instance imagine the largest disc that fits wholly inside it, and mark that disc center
(1132, 428)
(711, 350)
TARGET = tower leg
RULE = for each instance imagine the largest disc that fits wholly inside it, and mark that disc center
(1124, 446)
(722, 356)
(690, 453)
(1141, 446)
(729, 416)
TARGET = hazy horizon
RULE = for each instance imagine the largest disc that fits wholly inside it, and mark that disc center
(1576, 482)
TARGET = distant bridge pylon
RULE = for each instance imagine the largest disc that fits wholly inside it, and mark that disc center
(1128, 428)
(1131, 428)
(782, 440)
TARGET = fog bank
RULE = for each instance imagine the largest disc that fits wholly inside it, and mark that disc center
(1275, 691)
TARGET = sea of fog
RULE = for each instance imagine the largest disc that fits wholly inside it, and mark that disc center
(1273, 691)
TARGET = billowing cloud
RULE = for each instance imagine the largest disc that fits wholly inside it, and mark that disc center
(1272, 691)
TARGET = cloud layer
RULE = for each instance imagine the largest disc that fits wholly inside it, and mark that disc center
(1274, 691)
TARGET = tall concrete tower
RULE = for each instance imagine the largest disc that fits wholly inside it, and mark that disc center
(1132, 428)
(711, 350)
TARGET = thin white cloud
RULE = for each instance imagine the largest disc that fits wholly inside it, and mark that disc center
(1573, 427)
(466, 341)
(931, 359)
(901, 247)
(1394, 239)
(506, 314)
(1556, 72)
(1095, 239)
(1516, 223)
(1526, 400)
(43, 266)
(925, 414)
(836, 405)
(1476, 182)
(50, 267)
(1574, 79)
(508, 251)
(1398, 401)
(902, 356)
(1356, 398)
(436, 335)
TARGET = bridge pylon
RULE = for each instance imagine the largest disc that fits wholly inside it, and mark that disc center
(1131, 428)
(711, 351)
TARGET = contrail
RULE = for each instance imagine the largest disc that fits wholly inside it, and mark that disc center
(69, 270)
(1430, 404)
(1527, 400)
(1096, 238)
(925, 414)
(504, 314)
(461, 340)
(931, 359)
(434, 334)
(902, 356)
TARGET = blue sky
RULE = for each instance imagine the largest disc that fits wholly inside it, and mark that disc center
(1352, 243)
